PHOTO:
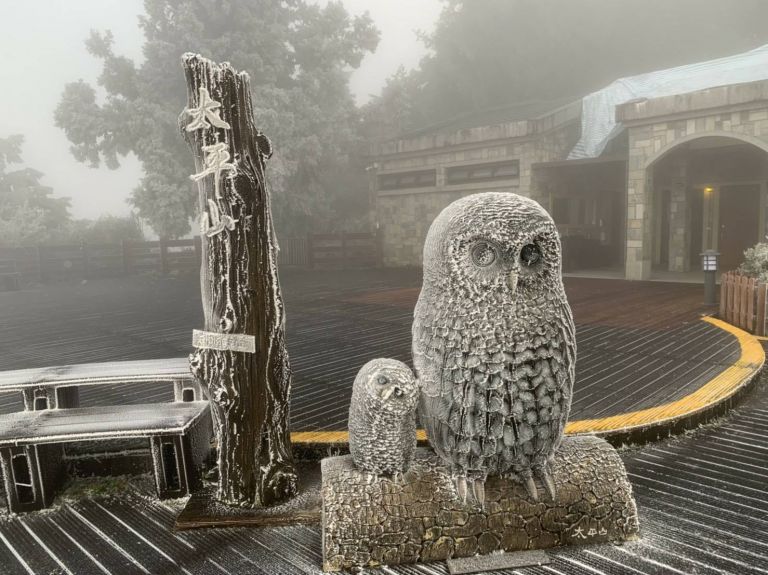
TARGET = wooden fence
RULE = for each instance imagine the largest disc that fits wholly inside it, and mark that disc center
(343, 250)
(44, 263)
(743, 302)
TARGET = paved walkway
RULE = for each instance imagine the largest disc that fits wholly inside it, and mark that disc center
(640, 344)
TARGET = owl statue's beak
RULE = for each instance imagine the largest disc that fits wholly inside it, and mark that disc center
(512, 280)
(397, 391)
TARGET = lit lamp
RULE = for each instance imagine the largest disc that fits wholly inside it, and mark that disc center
(709, 267)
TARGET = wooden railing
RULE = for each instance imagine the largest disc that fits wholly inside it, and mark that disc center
(43, 263)
(343, 250)
(50, 262)
(743, 302)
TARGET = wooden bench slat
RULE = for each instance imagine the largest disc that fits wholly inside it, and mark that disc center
(99, 423)
(173, 369)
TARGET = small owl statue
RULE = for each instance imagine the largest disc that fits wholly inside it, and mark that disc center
(493, 342)
(382, 417)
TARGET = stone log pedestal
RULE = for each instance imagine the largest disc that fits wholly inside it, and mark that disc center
(370, 521)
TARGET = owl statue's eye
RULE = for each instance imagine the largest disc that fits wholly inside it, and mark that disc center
(483, 254)
(382, 380)
(530, 255)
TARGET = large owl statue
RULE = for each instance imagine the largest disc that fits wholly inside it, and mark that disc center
(493, 342)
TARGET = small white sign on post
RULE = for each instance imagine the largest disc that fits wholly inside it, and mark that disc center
(224, 341)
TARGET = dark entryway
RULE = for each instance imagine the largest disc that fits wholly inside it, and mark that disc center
(587, 200)
(708, 194)
(739, 222)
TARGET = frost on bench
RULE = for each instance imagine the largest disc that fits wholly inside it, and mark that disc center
(31, 455)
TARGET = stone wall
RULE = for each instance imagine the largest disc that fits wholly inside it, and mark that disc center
(404, 216)
(403, 223)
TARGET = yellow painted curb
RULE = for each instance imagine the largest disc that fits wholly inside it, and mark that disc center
(314, 437)
(718, 389)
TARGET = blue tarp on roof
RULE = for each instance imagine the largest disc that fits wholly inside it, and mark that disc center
(598, 120)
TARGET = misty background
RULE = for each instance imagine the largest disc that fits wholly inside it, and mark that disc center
(95, 93)
(45, 42)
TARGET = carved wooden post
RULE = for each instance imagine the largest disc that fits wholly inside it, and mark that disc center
(241, 355)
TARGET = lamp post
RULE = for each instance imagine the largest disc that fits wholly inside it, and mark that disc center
(709, 266)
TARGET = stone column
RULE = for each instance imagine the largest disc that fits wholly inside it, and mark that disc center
(679, 218)
(639, 229)
(679, 229)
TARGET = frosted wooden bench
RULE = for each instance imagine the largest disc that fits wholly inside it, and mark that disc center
(57, 387)
(31, 454)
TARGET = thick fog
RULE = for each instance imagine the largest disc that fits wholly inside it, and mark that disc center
(482, 56)
(45, 47)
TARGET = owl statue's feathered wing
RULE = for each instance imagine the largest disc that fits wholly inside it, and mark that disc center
(494, 341)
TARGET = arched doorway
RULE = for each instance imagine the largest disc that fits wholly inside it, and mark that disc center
(707, 192)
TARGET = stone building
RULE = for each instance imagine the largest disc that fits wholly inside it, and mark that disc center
(640, 177)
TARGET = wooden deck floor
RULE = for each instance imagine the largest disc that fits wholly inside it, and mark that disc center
(702, 501)
(640, 343)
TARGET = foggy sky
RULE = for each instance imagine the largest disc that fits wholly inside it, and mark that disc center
(43, 46)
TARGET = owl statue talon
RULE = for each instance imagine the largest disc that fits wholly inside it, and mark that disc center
(478, 491)
(494, 346)
(549, 483)
(530, 487)
(460, 482)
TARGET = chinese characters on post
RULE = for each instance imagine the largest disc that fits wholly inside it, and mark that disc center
(206, 114)
(217, 222)
(215, 161)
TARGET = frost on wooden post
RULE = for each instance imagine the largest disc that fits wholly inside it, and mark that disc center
(206, 113)
(212, 222)
(215, 161)
(242, 302)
